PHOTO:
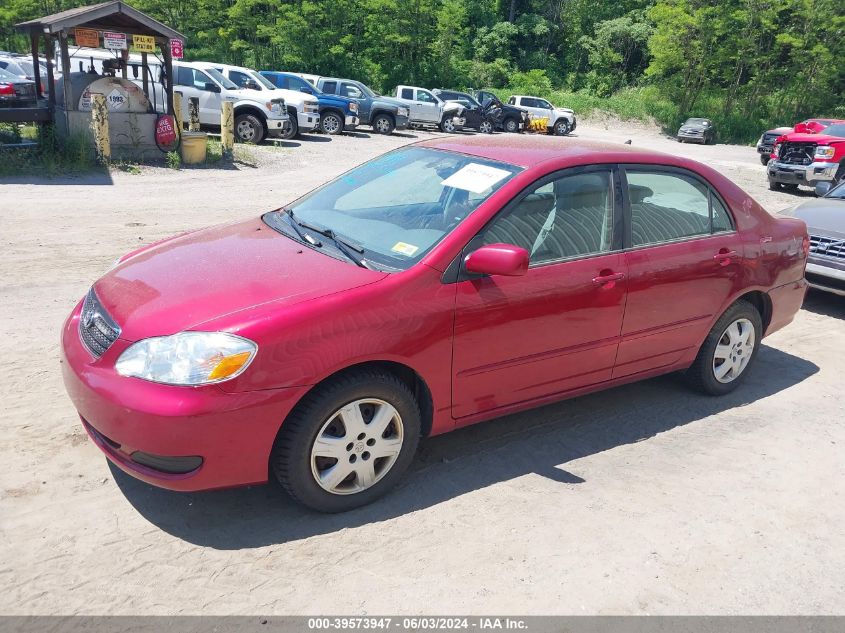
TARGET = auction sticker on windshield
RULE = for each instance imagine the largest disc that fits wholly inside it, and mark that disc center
(475, 177)
(405, 249)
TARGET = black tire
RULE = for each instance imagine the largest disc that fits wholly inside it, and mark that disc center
(561, 127)
(790, 186)
(290, 461)
(447, 125)
(486, 126)
(840, 174)
(701, 374)
(332, 122)
(383, 124)
(293, 129)
(249, 129)
(774, 186)
(764, 159)
(680, 140)
(511, 125)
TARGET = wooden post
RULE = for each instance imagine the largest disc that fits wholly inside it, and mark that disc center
(177, 111)
(51, 86)
(144, 75)
(68, 100)
(164, 47)
(33, 41)
(227, 129)
(193, 114)
(100, 125)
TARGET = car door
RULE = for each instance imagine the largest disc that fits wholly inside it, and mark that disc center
(546, 109)
(193, 82)
(427, 106)
(684, 262)
(348, 89)
(556, 328)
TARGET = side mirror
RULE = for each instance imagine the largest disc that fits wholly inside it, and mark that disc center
(822, 188)
(252, 85)
(306, 90)
(498, 259)
(211, 87)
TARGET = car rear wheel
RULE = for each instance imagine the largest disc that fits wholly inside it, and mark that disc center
(511, 125)
(383, 124)
(561, 127)
(486, 126)
(249, 129)
(348, 442)
(727, 352)
(331, 123)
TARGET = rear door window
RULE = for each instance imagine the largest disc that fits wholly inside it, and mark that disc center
(330, 87)
(668, 206)
(407, 93)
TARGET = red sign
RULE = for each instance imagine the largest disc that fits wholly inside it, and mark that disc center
(177, 49)
(166, 131)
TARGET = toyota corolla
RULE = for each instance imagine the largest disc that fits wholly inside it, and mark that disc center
(439, 285)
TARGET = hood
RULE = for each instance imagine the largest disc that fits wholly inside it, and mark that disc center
(565, 110)
(819, 139)
(824, 216)
(291, 97)
(183, 282)
(391, 101)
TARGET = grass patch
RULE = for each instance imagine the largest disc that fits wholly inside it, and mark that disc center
(49, 157)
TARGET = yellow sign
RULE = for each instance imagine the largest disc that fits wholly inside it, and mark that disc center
(144, 43)
(87, 37)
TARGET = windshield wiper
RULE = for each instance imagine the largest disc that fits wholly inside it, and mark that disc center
(292, 222)
(342, 244)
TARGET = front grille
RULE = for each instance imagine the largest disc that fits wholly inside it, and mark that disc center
(797, 153)
(96, 328)
(827, 247)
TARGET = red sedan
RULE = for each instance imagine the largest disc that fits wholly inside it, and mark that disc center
(439, 285)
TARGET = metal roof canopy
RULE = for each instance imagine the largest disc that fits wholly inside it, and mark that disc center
(115, 15)
(107, 16)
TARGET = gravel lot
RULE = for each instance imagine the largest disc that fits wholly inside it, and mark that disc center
(644, 499)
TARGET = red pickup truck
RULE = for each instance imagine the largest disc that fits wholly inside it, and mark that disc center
(808, 157)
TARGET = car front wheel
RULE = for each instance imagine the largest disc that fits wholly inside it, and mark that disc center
(348, 442)
(727, 352)
(512, 126)
(447, 124)
(249, 129)
(486, 126)
(562, 127)
(293, 128)
(383, 124)
(331, 123)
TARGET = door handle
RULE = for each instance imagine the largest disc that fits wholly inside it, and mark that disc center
(603, 279)
(724, 257)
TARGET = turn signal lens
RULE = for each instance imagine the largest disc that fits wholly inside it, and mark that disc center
(825, 151)
(229, 365)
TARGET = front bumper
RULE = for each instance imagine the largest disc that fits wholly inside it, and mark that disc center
(692, 136)
(402, 122)
(277, 127)
(134, 421)
(807, 175)
(826, 276)
(307, 120)
(459, 122)
(350, 122)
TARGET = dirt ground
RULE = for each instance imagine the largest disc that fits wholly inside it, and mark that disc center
(644, 499)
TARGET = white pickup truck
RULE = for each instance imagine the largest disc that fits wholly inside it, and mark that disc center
(561, 120)
(257, 114)
(425, 108)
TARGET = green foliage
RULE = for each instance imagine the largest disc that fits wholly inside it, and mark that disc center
(748, 64)
(173, 160)
(47, 156)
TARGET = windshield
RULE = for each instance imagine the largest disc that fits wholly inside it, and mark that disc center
(398, 206)
(697, 122)
(835, 130)
(367, 91)
(261, 79)
(221, 79)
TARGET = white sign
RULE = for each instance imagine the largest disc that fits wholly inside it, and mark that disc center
(116, 100)
(475, 177)
(114, 41)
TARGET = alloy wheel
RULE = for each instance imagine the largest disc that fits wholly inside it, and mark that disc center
(383, 125)
(486, 127)
(331, 124)
(733, 351)
(357, 446)
(246, 131)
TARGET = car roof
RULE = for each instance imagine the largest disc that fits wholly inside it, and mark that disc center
(529, 150)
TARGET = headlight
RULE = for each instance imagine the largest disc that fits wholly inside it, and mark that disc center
(776, 149)
(402, 112)
(187, 358)
(825, 151)
(353, 107)
(311, 107)
(276, 107)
